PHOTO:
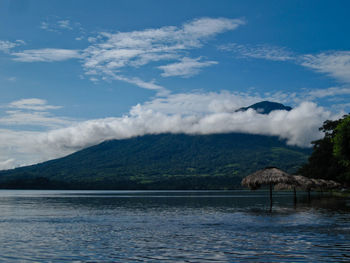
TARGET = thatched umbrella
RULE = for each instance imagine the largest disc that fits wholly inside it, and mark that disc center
(305, 184)
(317, 184)
(283, 186)
(268, 176)
(327, 184)
(334, 184)
(321, 184)
(301, 183)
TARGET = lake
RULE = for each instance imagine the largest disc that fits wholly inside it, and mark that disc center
(172, 226)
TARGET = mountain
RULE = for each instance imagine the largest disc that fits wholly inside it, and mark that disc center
(165, 161)
(265, 107)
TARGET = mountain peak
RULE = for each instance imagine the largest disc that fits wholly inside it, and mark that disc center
(265, 107)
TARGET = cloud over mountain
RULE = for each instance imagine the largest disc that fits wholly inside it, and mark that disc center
(298, 126)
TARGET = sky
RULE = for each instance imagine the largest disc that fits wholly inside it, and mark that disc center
(76, 73)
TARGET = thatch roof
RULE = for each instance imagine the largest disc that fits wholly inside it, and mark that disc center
(271, 175)
(325, 184)
(304, 183)
(301, 183)
(318, 184)
(334, 184)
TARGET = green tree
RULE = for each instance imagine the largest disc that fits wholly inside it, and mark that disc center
(323, 163)
(341, 141)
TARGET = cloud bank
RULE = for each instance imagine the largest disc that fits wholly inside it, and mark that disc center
(298, 126)
(179, 113)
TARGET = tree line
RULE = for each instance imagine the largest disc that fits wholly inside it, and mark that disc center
(330, 158)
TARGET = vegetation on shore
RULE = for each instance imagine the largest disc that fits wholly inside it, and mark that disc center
(330, 158)
(165, 161)
(179, 161)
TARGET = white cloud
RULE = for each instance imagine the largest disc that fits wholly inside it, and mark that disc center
(329, 92)
(335, 64)
(267, 52)
(20, 42)
(46, 55)
(32, 104)
(7, 164)
(343, 108)
(187, 67)
(161, 91)
(45, 26)
(200, 103)
(42, 119)
(95, 80)
(57, 24)
(65, 24)
(32, 112)
(206, 27)
(109, 53)
(6, 46)
(20, 148)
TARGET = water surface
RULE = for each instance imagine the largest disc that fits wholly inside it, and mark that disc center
(172, 226)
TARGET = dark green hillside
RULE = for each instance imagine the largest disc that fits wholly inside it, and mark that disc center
(164, 161)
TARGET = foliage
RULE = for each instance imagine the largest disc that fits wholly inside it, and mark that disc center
(165, 161)
(341, 148)
(330, 153)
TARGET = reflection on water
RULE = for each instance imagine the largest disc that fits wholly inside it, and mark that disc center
(172, 226)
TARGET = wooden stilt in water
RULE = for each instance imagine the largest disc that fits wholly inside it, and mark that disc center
(270, 196)
(308, 195)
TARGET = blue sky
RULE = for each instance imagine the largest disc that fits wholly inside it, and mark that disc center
(74, 73)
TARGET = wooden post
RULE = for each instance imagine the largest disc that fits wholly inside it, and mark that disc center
(308, 195)
(270, 196)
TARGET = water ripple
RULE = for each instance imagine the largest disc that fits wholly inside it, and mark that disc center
(159, 226)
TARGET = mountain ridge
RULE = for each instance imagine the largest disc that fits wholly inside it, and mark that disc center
(165, 161)
(265, 107)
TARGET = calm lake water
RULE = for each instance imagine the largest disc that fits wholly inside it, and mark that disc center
(171, 226)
